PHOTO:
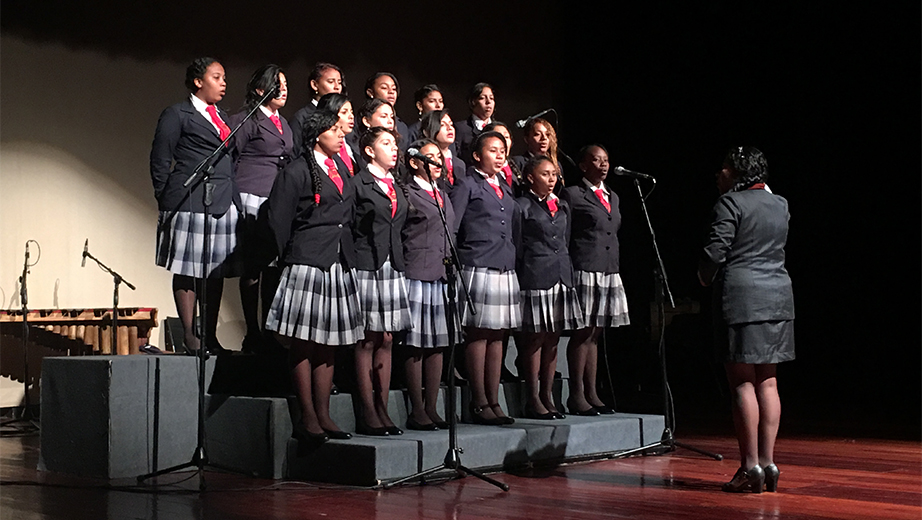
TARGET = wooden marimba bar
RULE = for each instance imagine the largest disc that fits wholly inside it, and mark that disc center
(89, 327)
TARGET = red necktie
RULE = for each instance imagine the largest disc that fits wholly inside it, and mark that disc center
(391, 194)
(344, 154)
(552, 205)
(224, 131)
(334, 175)
(601, 196)
(497, 189)
(508, 171)
(449, 171)
(435, 195)
(278, 124)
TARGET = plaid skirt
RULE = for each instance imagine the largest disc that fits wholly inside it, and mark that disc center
(429, 311)
(385, 299)
(602, 298)
(317, 305)
(180, 243)
(495, 296)
(552, 310)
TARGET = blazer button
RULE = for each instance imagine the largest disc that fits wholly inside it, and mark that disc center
(502, 208)
(607, 247)
(556, 251)
(609, 232)
(503, 222)
(340, 226)
(555, 236)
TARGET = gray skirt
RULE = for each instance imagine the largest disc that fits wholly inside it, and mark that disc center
(757, 343)
(181, 241)
(317, 305)
(429, 311)
(385, 299)
(495, 296)
(552, 310)
(602, 298)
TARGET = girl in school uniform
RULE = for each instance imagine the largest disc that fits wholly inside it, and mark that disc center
(317, 303)
(437, 126)
(187, 133)
(325, 78)
(486, 212)
(425, 247)
(428, 98)
(341, 106)
(549, 301)
(511, 173)
(264, 145)
(384, 86)
(595, 254)
(374, 112)
(380, 212)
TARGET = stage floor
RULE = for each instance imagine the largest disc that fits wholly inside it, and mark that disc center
(828, 478)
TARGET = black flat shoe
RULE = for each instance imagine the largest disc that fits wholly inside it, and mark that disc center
(380, 431)
(393, 430)
(338, 434)
(752, 479)
(504, 419)
(771, 477)
(531, 414)
(302, 434)
(479, 419)
(439, 422)
(589, 412)
(558, 415)
(412, 424)
(604, 410)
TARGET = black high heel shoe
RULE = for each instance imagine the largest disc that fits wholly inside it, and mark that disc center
(752, 480)
(771, 477)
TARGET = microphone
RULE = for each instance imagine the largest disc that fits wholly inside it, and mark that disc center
(414, 153)
(521, 122)
(86, 250)
(619, 170)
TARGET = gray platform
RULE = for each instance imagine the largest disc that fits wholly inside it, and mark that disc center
(119, 416)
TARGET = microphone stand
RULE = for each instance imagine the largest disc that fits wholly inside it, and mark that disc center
(452, 459)
(25, 424)
(117, 280)
(202, 176)
(667, 442)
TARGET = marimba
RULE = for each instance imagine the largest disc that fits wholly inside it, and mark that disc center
(83, 331)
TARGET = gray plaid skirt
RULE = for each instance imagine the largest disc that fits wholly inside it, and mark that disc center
(602, 298)
(385, 299)
(180, 243)
(317, 305)
(552, 310)
(495, 296)
(429, 311)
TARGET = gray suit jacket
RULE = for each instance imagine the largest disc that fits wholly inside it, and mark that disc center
(744, 257)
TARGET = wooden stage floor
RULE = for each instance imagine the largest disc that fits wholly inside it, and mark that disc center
(822, 478)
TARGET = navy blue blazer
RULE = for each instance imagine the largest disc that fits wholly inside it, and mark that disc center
(425, 245)
(358, 160)
(542, 259)
(465, 134)
(297, 128)
(484, 224)
(307, 234)
(183, 139)
(458, 172)
(745, 257)
(404, 131)
(375, 232)
(594, 239)
(261, 151)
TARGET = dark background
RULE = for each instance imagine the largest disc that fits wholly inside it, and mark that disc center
(830, 94)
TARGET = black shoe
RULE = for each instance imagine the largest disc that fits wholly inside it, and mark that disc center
(441, 424)
(604, 410)
(334, 390)
(479, 419)
(530, 413)
(380, 431)
(558, 415)
(504, 419)
(589, 412)
(752, 480)
(412, 424)
(771, 477)
(393, 430)
(338, 434)
(302, 434)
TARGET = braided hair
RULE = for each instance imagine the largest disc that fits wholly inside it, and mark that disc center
(750, 166)
(319, 122)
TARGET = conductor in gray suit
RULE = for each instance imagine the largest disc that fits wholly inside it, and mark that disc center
(744, 259)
